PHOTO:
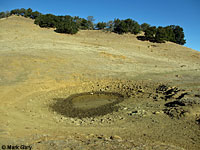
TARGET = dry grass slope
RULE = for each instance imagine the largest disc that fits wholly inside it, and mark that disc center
(38, 65)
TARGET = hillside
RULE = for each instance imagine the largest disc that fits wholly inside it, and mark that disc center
(39, 66)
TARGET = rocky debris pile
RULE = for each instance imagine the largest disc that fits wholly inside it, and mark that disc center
(174, 104)
(139, 112)
(178, 102)
(175, 108)
(127, 88)
(190, 99)
(170, 92)
(175, 112)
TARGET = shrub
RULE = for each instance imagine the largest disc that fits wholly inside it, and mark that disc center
(67, 26)
(125, 26)
(28, 13)
(35, 14)
(133, 26)
(2, 15)
(144, 26)
(160, 35)
(169, 33)
(21, 11)
(121, 28)
(179, 35)
(15, 12)
(90, 20)
(170, 36)
(110, 25)
(101, 25)
(81, 22)
(84, 24)
(150, 33)
(47, 21)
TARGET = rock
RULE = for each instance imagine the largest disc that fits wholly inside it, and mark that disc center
(72, 119)
(100, 137)
(116, 137)
(125, 108)
(141, 90)
(198, 120)
(180, 95)
(89, 136)
(102, 120)
(156, 112)
(121, 118)
(132, 112)
(178, 76)
(183, 66)
(174, 104)
(141, 112)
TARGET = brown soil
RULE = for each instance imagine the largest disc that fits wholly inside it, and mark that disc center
(39, 68)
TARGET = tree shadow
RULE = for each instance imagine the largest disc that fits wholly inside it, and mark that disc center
(141, 38)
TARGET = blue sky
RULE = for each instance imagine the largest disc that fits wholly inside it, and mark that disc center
(185, 13)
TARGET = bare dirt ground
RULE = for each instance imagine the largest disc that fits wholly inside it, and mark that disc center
(40, 68)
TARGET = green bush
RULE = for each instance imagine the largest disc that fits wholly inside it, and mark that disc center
(110, 26)
(121, 28)
(170, 36)
(28, 13)
(2, 15)
(179, 35)
(84, 25)
(160, 35)
(90, 20)
(125, 26)
(35, 14)
(22, 11)
(144, 26)
(67, 26)
(47, 21)
(15, 12)
(150, 33)
(170, 33)
(101, 25)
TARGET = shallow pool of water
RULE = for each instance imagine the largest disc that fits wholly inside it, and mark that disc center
(88, 104)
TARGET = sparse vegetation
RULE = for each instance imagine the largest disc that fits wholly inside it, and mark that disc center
(71, 25)
(90, 20)
(110, 26)
(2, 15)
